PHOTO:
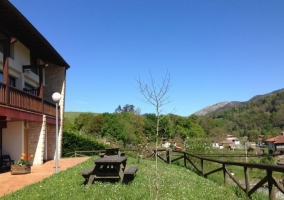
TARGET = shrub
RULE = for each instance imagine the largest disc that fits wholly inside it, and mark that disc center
(72, 143)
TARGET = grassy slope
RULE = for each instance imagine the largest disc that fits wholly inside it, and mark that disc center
(175, 183)
(72, 115)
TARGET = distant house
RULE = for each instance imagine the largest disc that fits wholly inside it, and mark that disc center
(227, 143)
(234, 139)
(215, 145)
(276, 144)
(260, 141)
(231, 142)
(167, 143)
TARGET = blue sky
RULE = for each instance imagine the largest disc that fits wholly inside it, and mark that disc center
(214, 51)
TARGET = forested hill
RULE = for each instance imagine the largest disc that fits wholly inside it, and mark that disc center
(226, 105)
(261, 115)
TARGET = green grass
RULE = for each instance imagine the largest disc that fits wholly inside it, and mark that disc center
(175, 182)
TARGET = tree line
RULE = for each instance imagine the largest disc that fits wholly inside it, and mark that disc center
(128, 126)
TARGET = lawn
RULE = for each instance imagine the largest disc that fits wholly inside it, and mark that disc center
(175, 182)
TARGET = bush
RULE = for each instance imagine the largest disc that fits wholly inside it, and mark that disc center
(267, 160)
(72, 143)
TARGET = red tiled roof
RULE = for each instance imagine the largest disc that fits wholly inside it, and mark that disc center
(271, 139)
(276, 140)
(279, 139)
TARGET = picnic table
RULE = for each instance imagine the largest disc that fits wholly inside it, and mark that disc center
(109, 167)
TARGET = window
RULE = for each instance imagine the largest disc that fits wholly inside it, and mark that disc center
(12, 81)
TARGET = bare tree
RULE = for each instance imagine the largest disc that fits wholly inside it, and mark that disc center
(155, 95)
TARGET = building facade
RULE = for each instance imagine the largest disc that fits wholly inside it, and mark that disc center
(276, 144)
(31, 70)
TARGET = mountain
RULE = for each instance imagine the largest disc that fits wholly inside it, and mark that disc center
(226, 105)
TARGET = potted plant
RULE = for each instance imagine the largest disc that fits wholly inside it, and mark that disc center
(22, 166)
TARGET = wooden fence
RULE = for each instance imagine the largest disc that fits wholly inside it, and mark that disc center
(223, 166)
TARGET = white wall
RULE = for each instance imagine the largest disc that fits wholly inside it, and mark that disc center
(21, 54)
(237, 142)
(13, 140)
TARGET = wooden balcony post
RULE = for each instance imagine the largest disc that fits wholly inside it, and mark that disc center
(40, 89)
(6, 54)
(6, 49)
(40, 93)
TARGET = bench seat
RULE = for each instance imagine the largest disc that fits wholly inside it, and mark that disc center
(131, 170)
(87, 172)
(129, 174)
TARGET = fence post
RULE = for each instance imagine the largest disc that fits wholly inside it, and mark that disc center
(169, 156)
(271, 188)
(225, 174)
(246, 171)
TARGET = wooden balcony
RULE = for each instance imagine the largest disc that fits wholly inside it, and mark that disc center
(25, 101)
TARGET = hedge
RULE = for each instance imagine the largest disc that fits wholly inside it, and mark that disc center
(72, 143)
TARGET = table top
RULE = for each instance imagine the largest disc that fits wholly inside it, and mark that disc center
(111, 159)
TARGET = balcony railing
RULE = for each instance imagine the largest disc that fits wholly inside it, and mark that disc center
(32, 91)
(26, 101)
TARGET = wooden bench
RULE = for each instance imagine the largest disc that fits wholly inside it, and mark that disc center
(87, 173)
(129, 174)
